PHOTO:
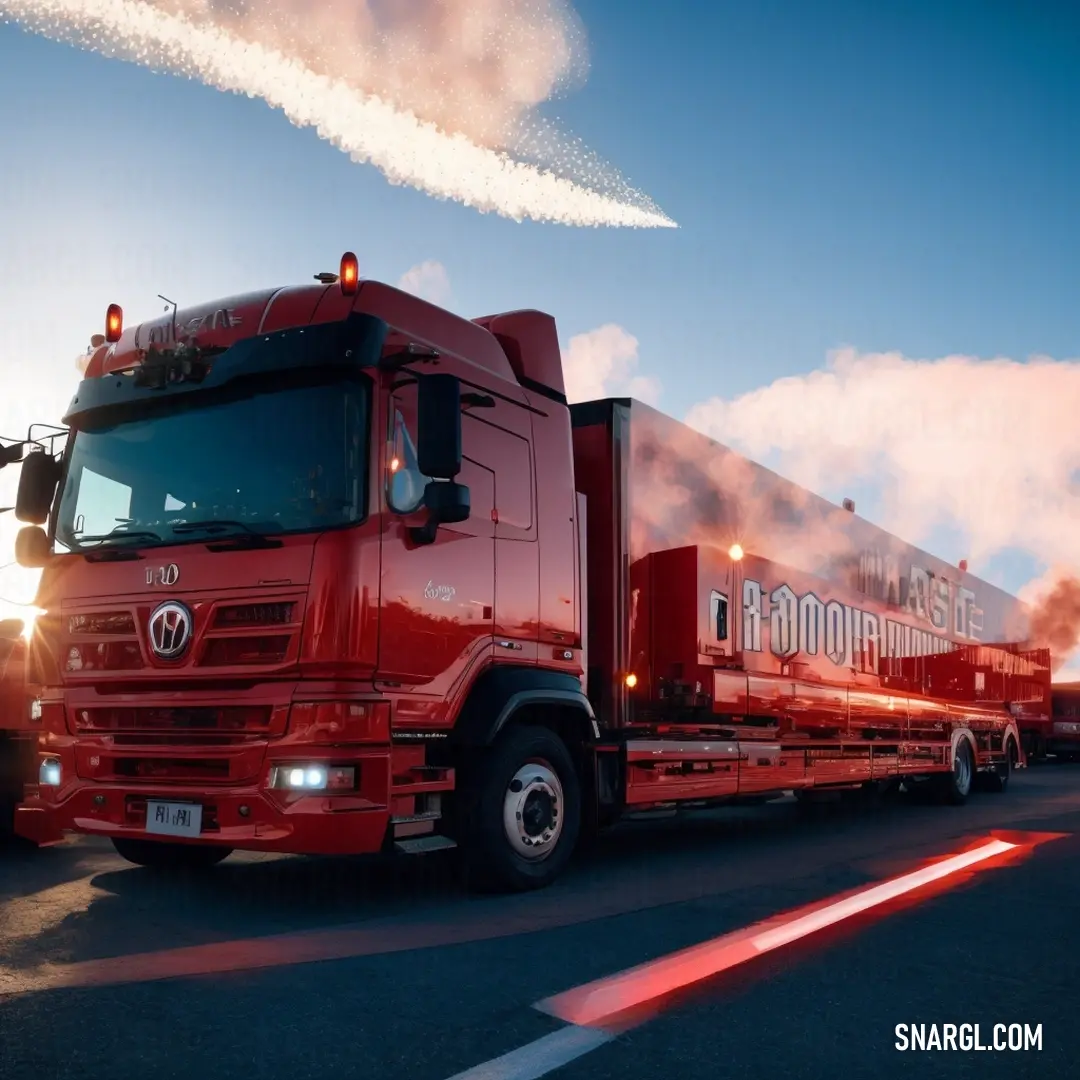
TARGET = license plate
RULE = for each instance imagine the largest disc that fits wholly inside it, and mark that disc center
(173, 818)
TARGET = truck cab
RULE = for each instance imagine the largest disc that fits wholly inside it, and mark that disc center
(295, 556)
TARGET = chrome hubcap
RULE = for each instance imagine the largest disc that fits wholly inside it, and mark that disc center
(533, 811)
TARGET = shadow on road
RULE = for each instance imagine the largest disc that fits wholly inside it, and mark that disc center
(98, 906)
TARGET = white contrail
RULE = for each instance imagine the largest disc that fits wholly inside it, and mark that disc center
(407, 149)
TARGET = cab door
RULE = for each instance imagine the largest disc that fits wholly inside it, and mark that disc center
(437, 600)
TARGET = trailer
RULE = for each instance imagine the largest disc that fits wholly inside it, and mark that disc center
(331, 570)
(821, 652)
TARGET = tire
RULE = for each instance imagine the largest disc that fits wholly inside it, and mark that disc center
(161, 855)
(997, 780)
(523, 813)
(956, 786)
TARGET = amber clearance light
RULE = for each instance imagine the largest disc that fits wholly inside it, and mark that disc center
(114, 323)
(349, 277)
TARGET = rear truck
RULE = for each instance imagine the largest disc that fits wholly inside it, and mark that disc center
(331, 570)
(18, 725)
(1062, 737)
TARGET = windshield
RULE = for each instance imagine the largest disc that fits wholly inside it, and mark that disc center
(282, 461)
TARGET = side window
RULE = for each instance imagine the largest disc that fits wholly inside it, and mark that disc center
(718, 615)
(404, 483)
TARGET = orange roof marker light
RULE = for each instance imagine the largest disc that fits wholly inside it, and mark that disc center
(349, 278)
(114, 323)
(735, 552)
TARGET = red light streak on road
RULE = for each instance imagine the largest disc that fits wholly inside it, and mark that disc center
(600, 1002)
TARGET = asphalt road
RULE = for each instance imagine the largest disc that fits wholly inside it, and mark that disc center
(294, 968)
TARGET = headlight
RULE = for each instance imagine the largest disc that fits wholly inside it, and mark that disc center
(49, 773)
(301, 777)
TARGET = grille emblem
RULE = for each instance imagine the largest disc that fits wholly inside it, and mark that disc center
(170, 629)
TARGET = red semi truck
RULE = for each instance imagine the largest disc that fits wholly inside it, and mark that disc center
(328, 569)
(18, 727)
(1062, 737)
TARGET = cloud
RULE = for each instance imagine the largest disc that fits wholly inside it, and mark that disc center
(428, 280)
(437, 94)
(986, 447)
(473, 67)
(602, 363)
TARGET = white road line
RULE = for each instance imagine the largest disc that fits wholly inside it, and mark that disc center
(538, 1058)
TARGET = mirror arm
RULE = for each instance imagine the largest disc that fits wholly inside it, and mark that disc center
(426, 533)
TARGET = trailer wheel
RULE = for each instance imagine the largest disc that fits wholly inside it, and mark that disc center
(524, 814)
(997, 779)
(956, 786)
(161, 855)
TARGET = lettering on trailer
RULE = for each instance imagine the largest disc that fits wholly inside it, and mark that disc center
(848, 636)
(222, 319)
(946, 605)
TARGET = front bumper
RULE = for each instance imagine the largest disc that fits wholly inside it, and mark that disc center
(247, 819)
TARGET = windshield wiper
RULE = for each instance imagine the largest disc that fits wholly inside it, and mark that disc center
(209, 525)
(112, 537)
(111, 554)
(245, 537)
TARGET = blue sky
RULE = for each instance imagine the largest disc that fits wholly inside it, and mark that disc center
(889, 176)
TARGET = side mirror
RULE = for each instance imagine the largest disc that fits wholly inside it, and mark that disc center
(37, 486)
(438, 449)
(447, 503)
(32, 547)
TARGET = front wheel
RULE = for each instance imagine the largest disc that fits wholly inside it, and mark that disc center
(524, 814)
(160, 855)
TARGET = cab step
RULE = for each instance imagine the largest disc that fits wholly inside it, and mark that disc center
(422, 845)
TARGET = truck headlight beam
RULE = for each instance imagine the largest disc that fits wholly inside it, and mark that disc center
(49, 772)
(304, 776)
